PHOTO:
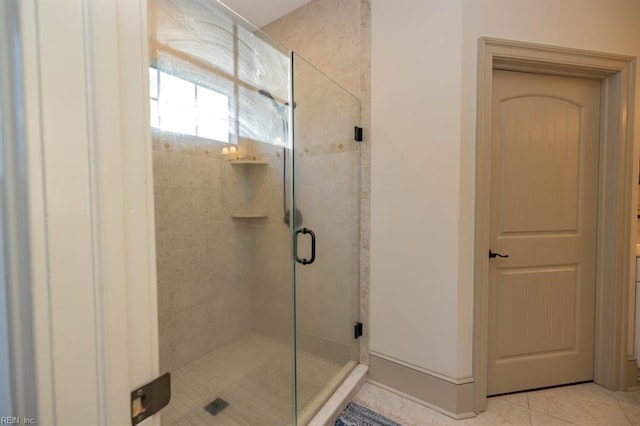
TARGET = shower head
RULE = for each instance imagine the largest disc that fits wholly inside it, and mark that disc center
(268, 94)
(276, 104)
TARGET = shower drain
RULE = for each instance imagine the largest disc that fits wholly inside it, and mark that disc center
(216, 406)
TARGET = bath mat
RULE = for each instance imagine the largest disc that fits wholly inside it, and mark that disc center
(357, 415)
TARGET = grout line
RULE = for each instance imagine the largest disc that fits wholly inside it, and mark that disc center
(624, 412)
(554, 417)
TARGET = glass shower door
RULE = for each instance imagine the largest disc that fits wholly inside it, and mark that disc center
(219, 91)
(239, 188)
(326, 234)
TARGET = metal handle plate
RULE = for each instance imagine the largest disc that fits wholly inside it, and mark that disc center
(150, 398)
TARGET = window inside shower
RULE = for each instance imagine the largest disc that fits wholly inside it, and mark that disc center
(181, 106)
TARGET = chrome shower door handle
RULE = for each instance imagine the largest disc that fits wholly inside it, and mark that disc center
(313, 246)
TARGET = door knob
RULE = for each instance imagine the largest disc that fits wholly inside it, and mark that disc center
(492, 255)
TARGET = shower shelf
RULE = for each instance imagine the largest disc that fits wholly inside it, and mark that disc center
(248, 162)
(251, 215)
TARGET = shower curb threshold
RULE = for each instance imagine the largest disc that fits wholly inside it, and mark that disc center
(337, 403)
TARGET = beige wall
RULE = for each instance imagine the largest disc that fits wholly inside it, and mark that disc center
(424, 56)
(415, 174)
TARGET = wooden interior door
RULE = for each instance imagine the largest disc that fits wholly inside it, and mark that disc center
(544, 185)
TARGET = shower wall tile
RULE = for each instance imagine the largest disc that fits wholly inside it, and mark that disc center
(164, 300)
(164, 339)
(161, 168)
(166, 358)
(203, 292)
(187, 351)
(190, 291)
(272, 275)
(187, 201)
(365, 172)
(327, 193)
(194, 171)
(272, 313)
(185, 144)
(173, 264)
(190, 323)
(326, 33)
(365, 265)
(182, 232)
(180, 169)
(161, 199)
(200, 328)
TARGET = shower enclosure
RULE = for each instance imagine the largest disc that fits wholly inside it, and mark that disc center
(256, 183)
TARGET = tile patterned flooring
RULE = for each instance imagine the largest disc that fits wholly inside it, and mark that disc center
(254, 375)
(582, 405)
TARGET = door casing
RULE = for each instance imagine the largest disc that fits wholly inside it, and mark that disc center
(97, 131)
(614, 365)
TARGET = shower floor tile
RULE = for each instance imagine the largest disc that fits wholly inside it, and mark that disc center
(254, 375)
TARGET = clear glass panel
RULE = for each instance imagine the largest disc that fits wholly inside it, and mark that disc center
(326, 197)
(262, 118)
(260, 62)
(225, 279)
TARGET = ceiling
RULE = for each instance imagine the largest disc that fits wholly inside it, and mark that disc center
(262, 12)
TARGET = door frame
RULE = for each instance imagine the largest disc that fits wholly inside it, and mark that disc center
(614, 362)
(91, 216)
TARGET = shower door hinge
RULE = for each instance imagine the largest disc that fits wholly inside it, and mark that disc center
(147, 400)
(357, 134)
(357, 330)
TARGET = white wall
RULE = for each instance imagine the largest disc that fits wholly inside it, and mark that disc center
(415, 115)
(424, 70)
